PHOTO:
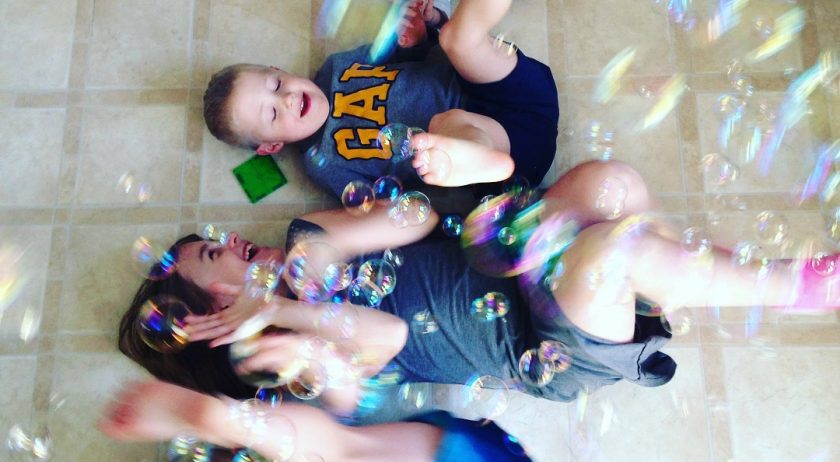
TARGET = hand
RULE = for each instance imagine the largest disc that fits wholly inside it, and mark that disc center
(151, 411)
(275, 352)
(213, 326)
(412, 28)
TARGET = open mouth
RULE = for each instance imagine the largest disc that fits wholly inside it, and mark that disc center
(304, 104)
(249, 252)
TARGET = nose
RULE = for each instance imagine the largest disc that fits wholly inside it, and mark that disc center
(289, 99)
(233, 239)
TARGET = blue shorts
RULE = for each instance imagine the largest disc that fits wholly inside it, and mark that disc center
(525, 103)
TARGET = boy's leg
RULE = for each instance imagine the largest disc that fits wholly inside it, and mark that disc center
(468, 45)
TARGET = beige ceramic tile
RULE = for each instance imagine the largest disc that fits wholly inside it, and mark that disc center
(261, 32)
(827, 17)
(595, 35)
(24, 253)
(35, 43)
(87, 382)
(139, 47)
(219, 185)
(783, 407)
(31, 149)
(541, 426)
(649, 417)
(17, 379)
(654, 153)
(100, 278)
(146, 142)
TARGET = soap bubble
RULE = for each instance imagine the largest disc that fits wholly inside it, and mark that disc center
(387, 188)
(695, 241)
(612, 193)
(365, 292)
(507, 236)
(314, 157)
(486, 396)
(491, 306)
(185, 448)
(271, 396)
(770, 228)
(677, 322)
(555, 355)
(453, 225)
(424, 322)
(132, 186)
(358, 197)
(309, 384)
(152, 260)
(600, 141)
(262, 278)
(212, 232)
(339, 320)
(505, 46)
(533, 371)
(718, 170)
(245, 348)
(395, 138)
(32, 445)
(394, 257)
(379, 273)
(314, 271)
(750, 256)
(161, 323)
(412, 208)
(414, 396)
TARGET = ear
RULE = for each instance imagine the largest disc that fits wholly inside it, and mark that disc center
(265, 149)
(224, 294)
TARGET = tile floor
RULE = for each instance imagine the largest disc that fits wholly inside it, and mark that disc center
(93, 89)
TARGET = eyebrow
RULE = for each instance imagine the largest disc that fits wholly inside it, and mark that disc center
(202, 252)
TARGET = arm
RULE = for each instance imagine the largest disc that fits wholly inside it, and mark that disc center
(367, 233)
(158, 411)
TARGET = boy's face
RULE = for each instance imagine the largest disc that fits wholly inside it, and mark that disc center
(274, 107)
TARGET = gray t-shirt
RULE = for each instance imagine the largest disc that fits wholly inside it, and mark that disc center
(364, 98)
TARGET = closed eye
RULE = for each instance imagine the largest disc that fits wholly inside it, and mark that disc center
(278, 85)
(213, 254)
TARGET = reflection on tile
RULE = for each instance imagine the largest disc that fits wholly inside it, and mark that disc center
(126, 39)
(784, 407)
(146, 142)
(35, 43)
(17, 380)
(24, 255)
(32, 149)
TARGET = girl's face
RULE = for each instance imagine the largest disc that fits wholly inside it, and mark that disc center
(208, 262)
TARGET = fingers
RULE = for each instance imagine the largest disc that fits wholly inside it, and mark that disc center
(273, 352)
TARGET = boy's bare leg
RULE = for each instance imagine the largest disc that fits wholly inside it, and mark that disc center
(468, 45)
(462, 148)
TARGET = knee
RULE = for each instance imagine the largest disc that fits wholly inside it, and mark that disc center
(588, 178)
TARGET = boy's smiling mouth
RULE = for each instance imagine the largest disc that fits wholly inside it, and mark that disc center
(304, 104)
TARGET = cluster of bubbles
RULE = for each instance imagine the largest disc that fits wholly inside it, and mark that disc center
(187, 448)
(538, 366)
(24, 445)
(424, 322)
(492, 306)
(134, 187)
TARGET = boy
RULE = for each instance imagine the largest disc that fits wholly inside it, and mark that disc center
(498, 111)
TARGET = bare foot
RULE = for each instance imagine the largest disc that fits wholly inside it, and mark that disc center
(412, 27)
(445, 161)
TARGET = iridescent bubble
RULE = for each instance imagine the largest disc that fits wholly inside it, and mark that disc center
(677, 322)
(34, 445)
(387, 188)
(612, 193)
(152, 260)
(212, 232)
(453, 225)
(379, 273)
(270, 396)
(777, 32)
(750, 256)
(504, 45)
(743, 84)
(262, 278)
(424, 322)
(507, 236)
(670, 95)
(309, 385)
(314, 157)
(283, 434)
(161, 323)
(314, 271)
(600, 141)
(12, 278)
(727, 105)
(414, 396)
(340, 320)
(395, 138)
(338, 276)
(129, 184)
(650, 310)
(764, 26)
(185, 448)
(696, 241)
(645, 91)
(491, 306)
(556, 355)
(519, 187)
(394, 256)
(486, 396)
(412, 208)
(358, 197)
(823, 264)
(533, 371)
(365, 292)
(770, 228)
(718, 170)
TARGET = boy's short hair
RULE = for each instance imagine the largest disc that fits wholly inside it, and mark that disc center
(217, 114)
